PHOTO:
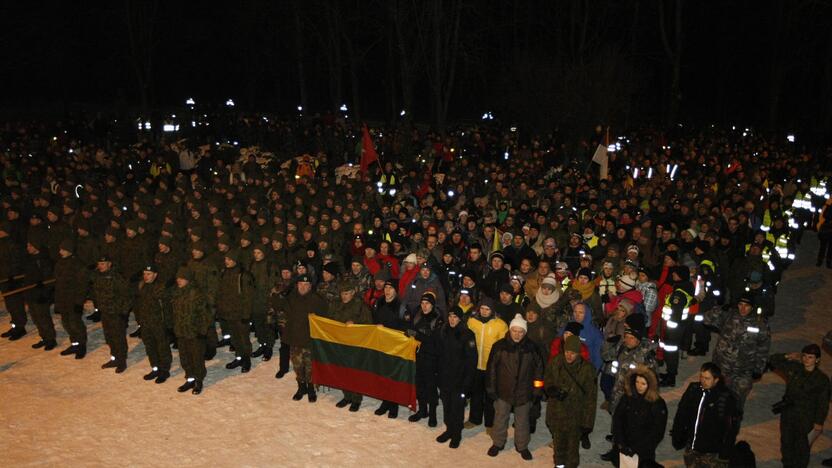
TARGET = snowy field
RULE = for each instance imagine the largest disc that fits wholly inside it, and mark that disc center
(56, 411)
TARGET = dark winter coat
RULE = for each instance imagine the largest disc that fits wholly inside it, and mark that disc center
(718, 424)
(389, 314)
(640, 421)
(297, 308)
(515, 371)
(457, 363)
(191, 315)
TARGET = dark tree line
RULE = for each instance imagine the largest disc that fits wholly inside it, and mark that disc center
(545, 63)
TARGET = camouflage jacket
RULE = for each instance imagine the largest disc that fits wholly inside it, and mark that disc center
(110, 293)
(151, 307)
(235, 293)
(263, 275)
(329, 290)
(191, 315)
(71, 283)
(744, 342)
(618, 360)
(354, 311)
(205, 278)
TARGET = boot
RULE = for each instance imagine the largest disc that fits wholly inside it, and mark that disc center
(259, 351)
(394, 411)
(443, 437)
(246, 365)
(343, 403)
(381, 409)
(432, 415)
(494, 450)
(281, 373)
(39, 344)
(82, 351)
(301, 391)
(50, 345)
(585, 442)
(419, 414)
(152, 375)
(354, 406)
(17, 333)
(267, 353)
(8, 332)
(109, 364)
(189, 384)
(70, 350)
(455, 440)
(237, 362)
(526, 454)
(95, 316)
(136, 333)
(311, 395)
(162, 376)
(197, 387)
(121, 367)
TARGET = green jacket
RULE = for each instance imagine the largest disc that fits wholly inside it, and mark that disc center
(235, 293)
(577, 380)
(807, 393)
(151, 307)
(295, 310)
(191, 315)
(72, 280)
(111, 293)
(205, 278)
(264, 277)
(354, 311)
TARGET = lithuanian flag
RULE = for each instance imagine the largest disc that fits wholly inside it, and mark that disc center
(367, 359)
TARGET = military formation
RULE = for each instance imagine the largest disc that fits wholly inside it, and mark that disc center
(597, 279)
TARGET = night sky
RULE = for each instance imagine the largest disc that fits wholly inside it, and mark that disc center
(763, 63)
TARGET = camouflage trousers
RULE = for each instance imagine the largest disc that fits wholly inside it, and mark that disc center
(741, 386)
(695, 459)
(301, 363)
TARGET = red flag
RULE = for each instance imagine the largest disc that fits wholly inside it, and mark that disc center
(368, 150)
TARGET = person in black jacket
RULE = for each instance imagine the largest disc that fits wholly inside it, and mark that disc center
(423, 327)
(514, 378)
(387, 312)
(706, 421)
(457, 351)
(640, 418)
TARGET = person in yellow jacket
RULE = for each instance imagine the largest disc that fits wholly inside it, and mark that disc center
(487, 329)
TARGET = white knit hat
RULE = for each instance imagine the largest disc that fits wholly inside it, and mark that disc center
(628, 281)
(410, 259)
(549, 281)
(518, 322)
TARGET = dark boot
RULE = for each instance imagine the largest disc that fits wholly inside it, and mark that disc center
(237, 362)
(526, 454)
(354, 406)
(121, 367)
(162, 376)
(50, 345)
(381, 409)
(493, 451)
(246, 365)
(8, 332)
(301, 392)
(343, 403)
(109, 364)
(455, 440)
(197, 387)
(443, 437)
(394, 411)
(585, 442)
(70, 350)
(151, 375)
(189, 384)
(82, 351)
(281, 373)
(259, 351)
(432, 415)
(421, 412)
(17, 333)
(311, 395)
(267, 353)
(39, 344)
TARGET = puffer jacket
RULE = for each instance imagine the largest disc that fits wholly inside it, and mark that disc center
(487, 331)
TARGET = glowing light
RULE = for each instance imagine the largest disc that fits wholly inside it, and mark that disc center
(790, 137)
(229, 103)
(402, 113)
(450, 193)
(343, 107)
(190, 102)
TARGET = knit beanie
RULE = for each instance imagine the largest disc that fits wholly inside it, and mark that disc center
(518, 322)
(572, 343)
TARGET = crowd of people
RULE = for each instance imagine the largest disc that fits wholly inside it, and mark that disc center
(528, 280)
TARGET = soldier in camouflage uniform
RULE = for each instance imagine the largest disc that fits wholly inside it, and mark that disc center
(38, 268)
(328, 287)
(805, 404)
(205, 277)
(11, 265)
(742, 347)
(262, 315)
(110, 293)
(283, 286)
(293, 315)
(152, 311)
(235, 293)
(633, 350)
(166, 261)
(134, 255)
(350, 310)
(192, 318)
(71, 283)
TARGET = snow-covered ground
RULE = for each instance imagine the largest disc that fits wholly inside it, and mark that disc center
(55, 410)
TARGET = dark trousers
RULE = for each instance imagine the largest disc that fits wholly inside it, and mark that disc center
(453, 412)
(157, 346)
(115, 334)
(192, 357)
(480, 403)
(263, 328)
(17, 310)
(285, 353)
(72, 320)
(566, 446)
(607, 383)
(825, 249)
(240, 338)
(43, 320)
(673, 337)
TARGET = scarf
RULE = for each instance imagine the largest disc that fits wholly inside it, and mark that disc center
(586, 290)
(546, 301)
